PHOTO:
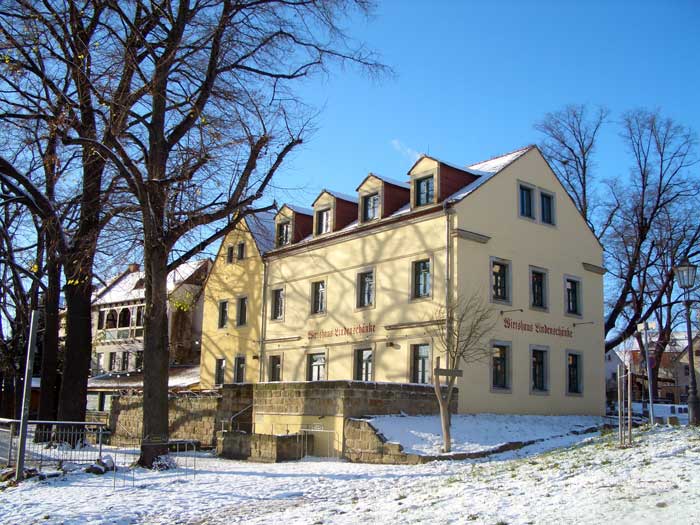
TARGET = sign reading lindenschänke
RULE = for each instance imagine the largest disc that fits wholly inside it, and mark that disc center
(538, 328)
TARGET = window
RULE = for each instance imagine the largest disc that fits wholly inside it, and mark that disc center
(100, 319)
(370, 207)
(124, 318)
(223, 314)
(316, 368)
(229, 255)
(275, 368)
(124, 363)
(239, 369)
(425, 191)
(283, 233)
(573, 296)
(526, 204)
(277, 304)
(240, 251)
(219, 371)
(111, 319)
(318, 297)
(139, 315)
(500, 280)
(421, 279)
(538, 288)
(242, 311)
(112, 361)
(547, 207)
(500, 374)
(323, 222)
(686, 371)
(363, 364)
(539, 370)
(365, 289)
(421, 363)
(573, 380)
(138, 360)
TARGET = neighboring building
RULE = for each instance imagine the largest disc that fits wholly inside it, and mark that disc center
(118, 310)
(233, 302)
(683, 368)
(352, 286)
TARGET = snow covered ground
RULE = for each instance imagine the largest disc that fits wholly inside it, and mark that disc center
(475, 433)
(584, 480)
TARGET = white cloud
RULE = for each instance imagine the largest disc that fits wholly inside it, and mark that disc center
(399, 146)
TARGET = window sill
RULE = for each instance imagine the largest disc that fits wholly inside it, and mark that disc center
(420, 299)
(574, 394)
(572, 315)
(542, 309)
(363, 308)
(539, 392)
(497, 390)
(504, 302)
(318, 314)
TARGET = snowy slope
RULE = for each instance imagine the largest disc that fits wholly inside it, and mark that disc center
(657, 481)
(475, 433)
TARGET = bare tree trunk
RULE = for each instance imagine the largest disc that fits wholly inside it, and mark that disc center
(48, 394)
(73, 396)
(156, 358)
(443, 403)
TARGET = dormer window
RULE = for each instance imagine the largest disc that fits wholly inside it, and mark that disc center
(283, 233)
(370, 207)
(425, 191)
(323, 221)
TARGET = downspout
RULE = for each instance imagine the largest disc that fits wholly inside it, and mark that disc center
(448, 278)
(263, 322)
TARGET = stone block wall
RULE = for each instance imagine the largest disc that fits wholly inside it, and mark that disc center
(191, 416)
(262, 447)
(364, 444)
(346, 399)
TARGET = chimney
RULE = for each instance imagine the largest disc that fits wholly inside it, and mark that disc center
(134, 267)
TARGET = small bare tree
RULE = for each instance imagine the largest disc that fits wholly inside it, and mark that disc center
(461, 331)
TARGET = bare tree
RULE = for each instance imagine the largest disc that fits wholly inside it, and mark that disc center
(192, 103)
(630, 215)
(462, 331)
(570, 142)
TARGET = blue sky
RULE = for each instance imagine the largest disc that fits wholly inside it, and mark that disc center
(473, 77)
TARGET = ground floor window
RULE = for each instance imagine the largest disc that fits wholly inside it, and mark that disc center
(316, 368)
(500, 374)
(539, 370)
(574, 371)
(421, 363)
(219, 371)
(363, 364)
(275, 368)
(239, 370)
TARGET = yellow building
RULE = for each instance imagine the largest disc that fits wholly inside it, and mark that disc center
(351, 288)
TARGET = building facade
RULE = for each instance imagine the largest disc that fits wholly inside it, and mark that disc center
(353, 288)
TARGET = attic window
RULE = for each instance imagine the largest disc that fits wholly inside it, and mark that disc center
(370, 207)
(425, 191)
(139, 284)
(323, 221)
(283, 233)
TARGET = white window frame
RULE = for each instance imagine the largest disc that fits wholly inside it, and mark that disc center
(309, 369)
(288, 233)
(223, 370)
(272, 304)
(363, 204)
(431, 273)
(269, 369)
(235, 367)
(323, 221)
(362, 348)
(358, 289)
(412, 368)
(313, 297)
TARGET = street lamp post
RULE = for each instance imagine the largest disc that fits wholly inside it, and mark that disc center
(685, 273)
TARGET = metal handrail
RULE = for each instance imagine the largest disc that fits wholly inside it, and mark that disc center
(32, 422)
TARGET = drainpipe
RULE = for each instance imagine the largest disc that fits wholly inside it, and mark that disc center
(263, 323)
(448, 277)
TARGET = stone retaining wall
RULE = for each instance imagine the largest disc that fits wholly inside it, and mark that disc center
(346, 398)
(262, 447)
(191, 416)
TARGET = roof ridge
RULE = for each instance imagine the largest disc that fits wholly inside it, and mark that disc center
(529, 146)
